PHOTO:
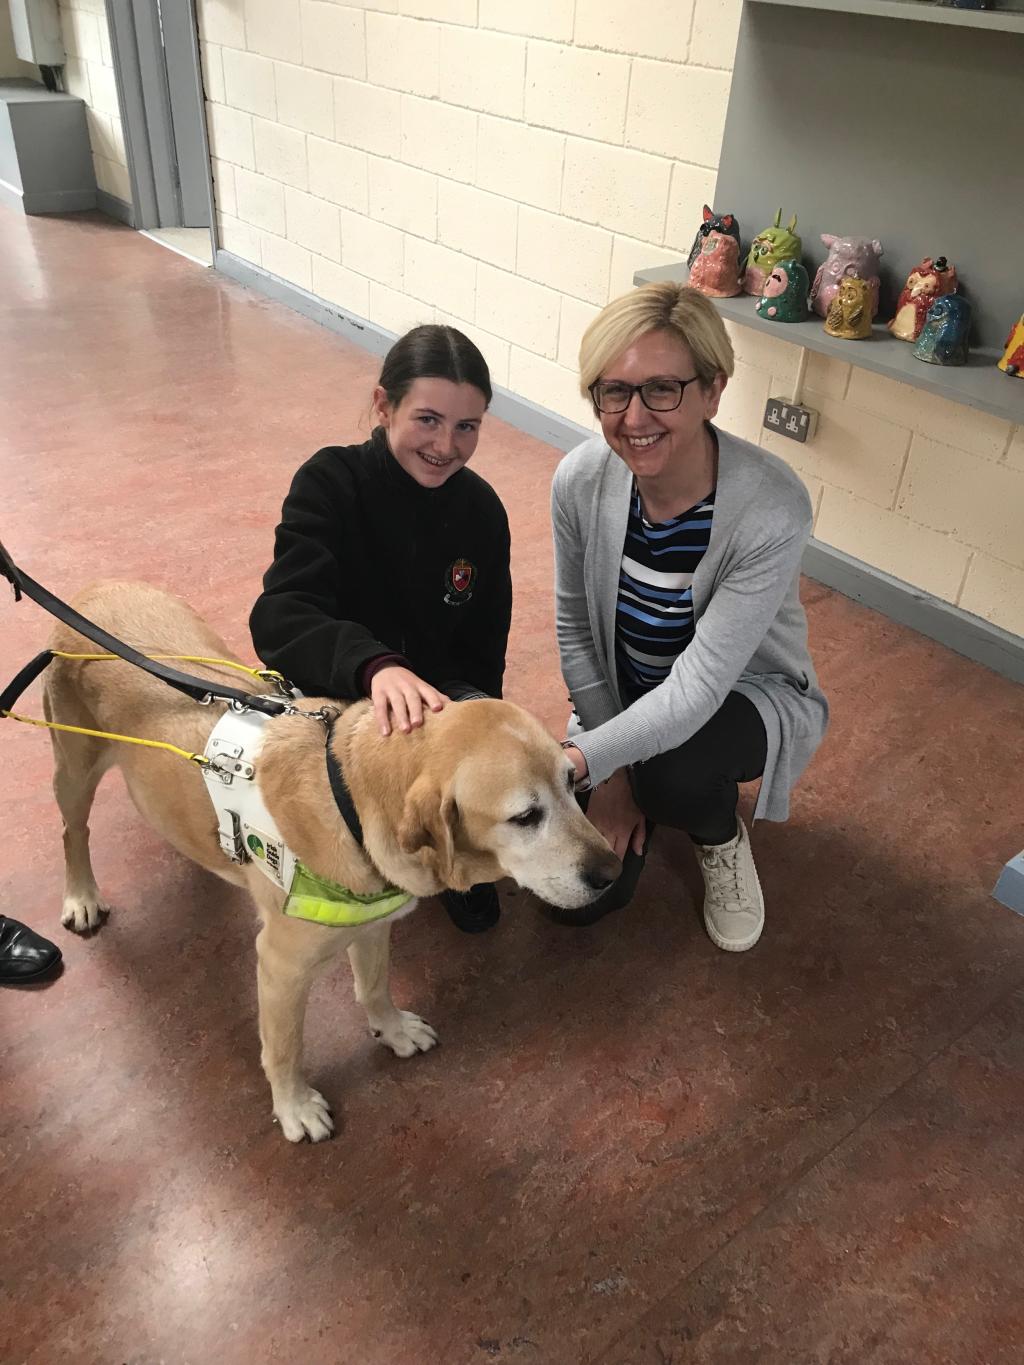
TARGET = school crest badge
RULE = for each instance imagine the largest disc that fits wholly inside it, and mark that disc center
(459, 582)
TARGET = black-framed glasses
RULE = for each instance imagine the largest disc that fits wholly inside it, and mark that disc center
(659, 395)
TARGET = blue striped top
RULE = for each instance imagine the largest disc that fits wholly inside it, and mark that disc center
(654, 611)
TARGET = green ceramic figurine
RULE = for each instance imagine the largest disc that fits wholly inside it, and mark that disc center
(784, 298)
(768, 248)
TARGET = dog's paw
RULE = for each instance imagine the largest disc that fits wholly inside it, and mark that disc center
(309, 1117)
(83, 913)
(407, 1034)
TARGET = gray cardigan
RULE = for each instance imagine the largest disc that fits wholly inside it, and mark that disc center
(750, 635)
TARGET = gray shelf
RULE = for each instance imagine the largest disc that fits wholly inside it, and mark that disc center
(978, 384)
(1003, 21)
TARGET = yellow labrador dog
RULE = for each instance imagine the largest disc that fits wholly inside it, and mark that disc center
(482, 791)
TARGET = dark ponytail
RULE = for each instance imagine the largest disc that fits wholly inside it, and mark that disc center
(433, 351)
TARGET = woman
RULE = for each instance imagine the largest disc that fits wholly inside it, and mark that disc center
(680, 629)
(391, 575)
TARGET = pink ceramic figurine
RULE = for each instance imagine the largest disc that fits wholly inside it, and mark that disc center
(856, 257)
(716, 271)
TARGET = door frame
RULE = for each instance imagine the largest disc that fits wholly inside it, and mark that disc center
(141, 77)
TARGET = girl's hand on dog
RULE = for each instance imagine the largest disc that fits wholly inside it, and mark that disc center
(399, 697)
(613, 813)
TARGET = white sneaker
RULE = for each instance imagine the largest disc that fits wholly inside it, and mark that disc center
(733, 903)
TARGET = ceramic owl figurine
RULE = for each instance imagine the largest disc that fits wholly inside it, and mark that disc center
(927, 282)
(768, 248)
(713, 222)
(847, 256)
(849, 313)
(1012, 362)
(784, 297)
(943, 339)
(716, 271)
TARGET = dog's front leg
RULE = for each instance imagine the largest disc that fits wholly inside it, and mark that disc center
(290, 955)
(404, 1033)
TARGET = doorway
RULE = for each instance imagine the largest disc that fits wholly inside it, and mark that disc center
(155, 50)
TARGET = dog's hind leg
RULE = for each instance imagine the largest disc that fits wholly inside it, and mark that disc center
(404, 1033)
(78, 764)
(290, 954)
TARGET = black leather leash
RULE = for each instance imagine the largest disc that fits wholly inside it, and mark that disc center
(342, 795)
(199, 689)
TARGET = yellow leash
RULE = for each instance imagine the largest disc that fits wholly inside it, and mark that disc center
(264, 674)
(102, 734)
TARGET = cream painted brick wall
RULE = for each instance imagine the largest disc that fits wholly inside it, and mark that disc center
(1015, 450)
(564, 255)
(536, 18)
(313, 223)
(305, 99)
(574, 320)
(272, 29)
(338, 174)
(480, 224)
(372, 249)
(616, 188)
(577, 91)
(403, 196)
(341, 286)
(854, 451)
(979, 503)
(439, 138)
(402, 54)
(231, 135)
(995, 591)
(482, 70)
(426, 263)
(525, 313)
(893, 543)
(677, 111)
(222, 21)
(280, 153)
(451, 11)
(742, 406)
(224, 187)
(286, 260)
(929, 414)
(249, 83)
(260, 201)
(333, 39)
(716, 26)
(520, 162)
(368, 117)
(547, 383)
(644, 28)
(397, 311)
(507, 165)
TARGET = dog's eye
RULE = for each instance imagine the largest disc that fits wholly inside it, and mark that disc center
(528, 818)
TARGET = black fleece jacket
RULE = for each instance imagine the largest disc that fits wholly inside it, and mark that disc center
(368, 562)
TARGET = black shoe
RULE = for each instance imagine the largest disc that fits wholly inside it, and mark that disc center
(617, 897)
(24, 955)
(474, 910)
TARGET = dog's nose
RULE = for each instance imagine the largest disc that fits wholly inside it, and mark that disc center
(601, 874)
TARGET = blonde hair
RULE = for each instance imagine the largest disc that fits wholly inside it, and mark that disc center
(667, 307)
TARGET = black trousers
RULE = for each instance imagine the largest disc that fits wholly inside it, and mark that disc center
(695, 787)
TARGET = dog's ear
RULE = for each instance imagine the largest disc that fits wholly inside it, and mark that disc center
(428, 823)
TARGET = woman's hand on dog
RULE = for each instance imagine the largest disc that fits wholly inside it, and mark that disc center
(399, 697)
(613, 813)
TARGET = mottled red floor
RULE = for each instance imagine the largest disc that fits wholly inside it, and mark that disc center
(631, 1148)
